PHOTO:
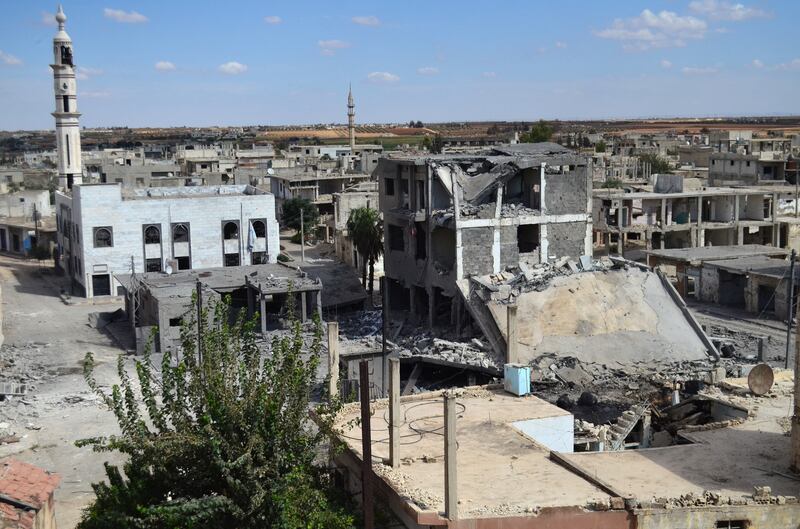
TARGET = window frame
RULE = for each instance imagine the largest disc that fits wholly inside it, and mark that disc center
(146, 227)
(110, 231)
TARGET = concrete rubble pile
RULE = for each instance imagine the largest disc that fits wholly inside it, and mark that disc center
(473, 353)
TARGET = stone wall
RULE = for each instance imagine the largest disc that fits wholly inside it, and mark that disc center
(509, 248)
(566, 239)
(567, 193)
(477, 244)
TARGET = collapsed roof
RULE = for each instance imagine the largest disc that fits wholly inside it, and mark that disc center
(479, 175)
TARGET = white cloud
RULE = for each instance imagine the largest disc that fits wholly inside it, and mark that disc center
(383, 77)
(367, 21)
(49, 19)
(165, 66)
(126, 17)
(9, 59)
(724, 10)
(560, 44)
(273, 19)
(84, 72)
(654, 30)
(232, 68)
(428, 70)
(489, 75)
(95, 95)
(695, 70)
(665, 64)
(757, 64)
(329, 47)
(794, 64)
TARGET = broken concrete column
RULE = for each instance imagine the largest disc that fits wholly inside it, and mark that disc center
(333, 358)
(512, 346)
(263, 312)
(394, 412)
(450, 459)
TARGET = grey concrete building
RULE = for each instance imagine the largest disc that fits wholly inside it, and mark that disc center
(756, 284)
(688, 219)
(163, 300)
(448, 217)
(364, 194)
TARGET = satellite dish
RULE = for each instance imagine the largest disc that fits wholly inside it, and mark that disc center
(760, 379)
(168, 269)
(270, 171)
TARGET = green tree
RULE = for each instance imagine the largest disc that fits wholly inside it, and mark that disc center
(291, 213)
(600, 146)
(434, 144)
(365, 228)
(658, 165)
(219, 439)
(539, 132)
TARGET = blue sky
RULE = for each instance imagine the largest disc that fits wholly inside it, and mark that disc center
(241, 62)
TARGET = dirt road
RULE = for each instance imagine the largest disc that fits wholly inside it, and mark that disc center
(45, 343)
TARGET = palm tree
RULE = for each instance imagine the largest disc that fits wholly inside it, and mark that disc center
(365, 228)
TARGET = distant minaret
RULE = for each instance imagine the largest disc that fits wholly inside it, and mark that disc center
(68, 132)
(351, 119)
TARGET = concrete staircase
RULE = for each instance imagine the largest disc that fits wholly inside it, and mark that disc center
(624, 426)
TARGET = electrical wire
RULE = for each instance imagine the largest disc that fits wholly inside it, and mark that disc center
(418, 432)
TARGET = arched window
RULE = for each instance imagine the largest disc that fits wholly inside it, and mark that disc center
(180, 233)
(230, 231)
(260, 228)
(152, 235)
(102, 238)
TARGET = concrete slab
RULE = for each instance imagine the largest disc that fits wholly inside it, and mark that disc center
(619, 316)
(501, 471)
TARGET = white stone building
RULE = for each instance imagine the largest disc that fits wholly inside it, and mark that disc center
(103, 230)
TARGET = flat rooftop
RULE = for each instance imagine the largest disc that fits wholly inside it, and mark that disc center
(609, 194)
(711, 253)
(273, 278)
(500, 470)
(758, 264)
(148, 193)
(729, 461)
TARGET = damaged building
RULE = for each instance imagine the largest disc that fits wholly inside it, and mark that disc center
(448, 217)
(163, 301)
(678, 218)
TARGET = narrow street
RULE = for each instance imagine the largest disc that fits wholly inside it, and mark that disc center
(45, 343)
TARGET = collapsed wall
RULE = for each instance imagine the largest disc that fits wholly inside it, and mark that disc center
(620, 316)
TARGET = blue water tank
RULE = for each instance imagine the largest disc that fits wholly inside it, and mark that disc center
(517, 379)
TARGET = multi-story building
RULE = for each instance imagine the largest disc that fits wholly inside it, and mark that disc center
(449, 217)
(104, 230)
(739, 159)
(688, 219)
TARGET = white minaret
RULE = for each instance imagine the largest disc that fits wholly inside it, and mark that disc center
(351, 120)
(68, 132)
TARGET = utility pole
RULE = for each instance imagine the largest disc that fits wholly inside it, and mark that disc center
(790, 311)
(36, 223)
(795, 465)
(302, 238)
(199, 287)
(366, 447)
